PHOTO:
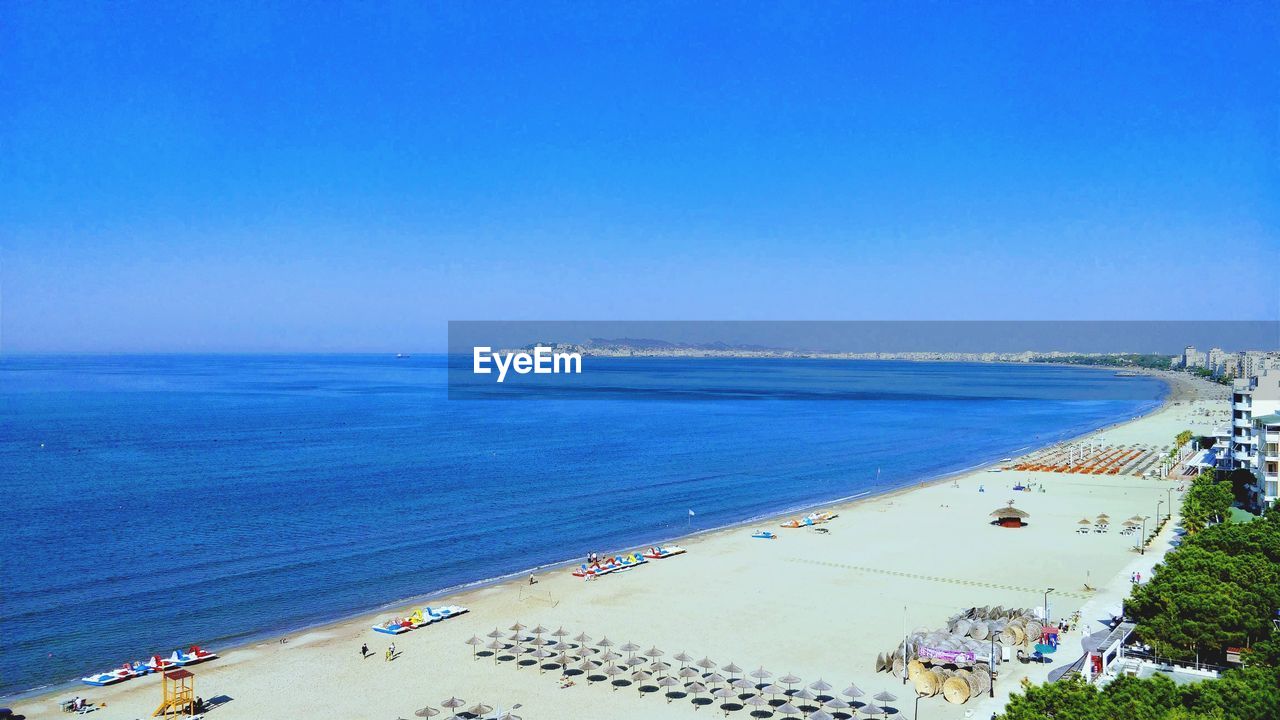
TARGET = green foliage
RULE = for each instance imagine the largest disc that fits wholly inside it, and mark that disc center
(1156, 362)
(1240, 479)
(1206, 501)
(1244, 694)
(1221, 588)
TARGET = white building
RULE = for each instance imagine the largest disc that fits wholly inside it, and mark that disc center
(1266, 431)
(1192, 358)
(1250, 398)
(1215, 359)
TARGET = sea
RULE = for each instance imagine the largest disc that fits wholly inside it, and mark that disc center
(159, 501)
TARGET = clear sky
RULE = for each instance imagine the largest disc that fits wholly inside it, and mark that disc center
(224, 177)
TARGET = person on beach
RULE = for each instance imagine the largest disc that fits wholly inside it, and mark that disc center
(364, 650)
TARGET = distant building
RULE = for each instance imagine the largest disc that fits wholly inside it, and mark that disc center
(1214, 360)
(1253, 362)
(1192, 358)
(1253, 398)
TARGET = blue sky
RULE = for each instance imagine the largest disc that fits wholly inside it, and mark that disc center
(306, 177)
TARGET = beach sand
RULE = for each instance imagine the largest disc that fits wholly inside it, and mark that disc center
(818, 606)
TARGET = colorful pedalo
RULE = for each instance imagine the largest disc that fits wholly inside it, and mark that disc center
(179, 658)
(626, 562)
(418, 618)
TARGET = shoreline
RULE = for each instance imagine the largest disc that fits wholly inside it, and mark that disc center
(1175, 391)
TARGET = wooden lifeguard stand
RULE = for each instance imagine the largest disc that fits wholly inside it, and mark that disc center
(179, 687)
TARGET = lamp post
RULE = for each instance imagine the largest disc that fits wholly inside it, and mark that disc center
(1158, 504)
(904, 645)
(992, 660)
(916, 714)
(1046, 605)
(1142, 541)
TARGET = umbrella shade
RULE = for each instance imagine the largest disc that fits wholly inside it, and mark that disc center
(473, 640)
(819, 715)
(426, 712)
(507, 716)
(705, 663)
(1137, 519)
(1103, 516)
(852, 691)
(562, 647)
(560, 632)
(821, 686)
(654, 652)
(479, 709)
(496, 645)
(633, 661)
(761, 673)
(453, 702)
(514, 637)
(1130, 523)
(885, 696)
(787, 709)
(610, 656)
(562, 659)
(540, 653)
(517, 627)
(587, 666)
(587, 651)
(731, 669)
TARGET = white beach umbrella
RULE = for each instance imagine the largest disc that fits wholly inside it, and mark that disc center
(473, 641)
(853, 691)
(788, 709)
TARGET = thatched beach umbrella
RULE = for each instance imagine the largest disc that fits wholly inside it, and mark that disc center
(884, 696)
(696, 688)
(732, 669)
(560, 633)
(659, 666)
(562, 647)
(761, 674)
(668, 682)
(820, 686)
(688, 672)
(820, 715)
(756, 701)
(629, 648)
(683, 657)
(473, 641)
(788, 709)
(453, 702)
(517, 627)
(613, 671)
(479, 709)
(870, 709)
(771, 690)
(582, 639)
(788, 680)
(853, 691)
(541, 655)
(633, 661)
(654, 652)
(726, 695)
(1084, 521)
(639, 677)
(609, 656)
(714, 678)
(496, 646)
(706, 663)
(495, 634)
(1009, 511)
(426, 712)
(605, 642)
(836, 703)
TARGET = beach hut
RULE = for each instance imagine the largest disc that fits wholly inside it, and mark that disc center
(1009, 516)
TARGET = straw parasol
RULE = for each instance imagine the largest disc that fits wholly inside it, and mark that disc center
(688, 672)
(1084, 521)
(714, 678)
(668, 682)
(884, 696)
(760, 673)
(453, 702)
(820, 715)
(613, 671)
(479, 709)
(639, 677)
(582, 639)
(732, 669)
(659, 666)
(473, 641)
(517, 627)
(654, 652)
(788, 709)
(788, 680)
(496, 646)
(696, 688)
(870, 709)
(853, 691)
(756, 701)
(1010, 511)
(820, 686)
(629, 647)
(771, 690)
(605, 642)
(560, 632)
(706, 663)
(426, 712)
(683, 657)
(495, 634)
(634, 661)
(836, 703)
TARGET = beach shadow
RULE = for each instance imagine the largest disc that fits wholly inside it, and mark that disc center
(484, 654)
(676, 695)
(702, 701)
(761, 714)
(527, 662)
(573, 672)
(731, 707)
(216, 702)
(645, 688)
(507, 658)
(620, 683)
(596, 677)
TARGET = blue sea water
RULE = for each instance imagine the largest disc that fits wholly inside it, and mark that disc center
(153, 502)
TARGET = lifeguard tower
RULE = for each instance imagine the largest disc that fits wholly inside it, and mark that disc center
(179, 687)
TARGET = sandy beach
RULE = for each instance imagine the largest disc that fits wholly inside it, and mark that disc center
(812, 604)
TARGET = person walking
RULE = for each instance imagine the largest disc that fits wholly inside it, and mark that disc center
(364, 650)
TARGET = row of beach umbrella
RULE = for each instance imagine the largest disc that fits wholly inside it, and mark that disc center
(630, 663)
(452, 705)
